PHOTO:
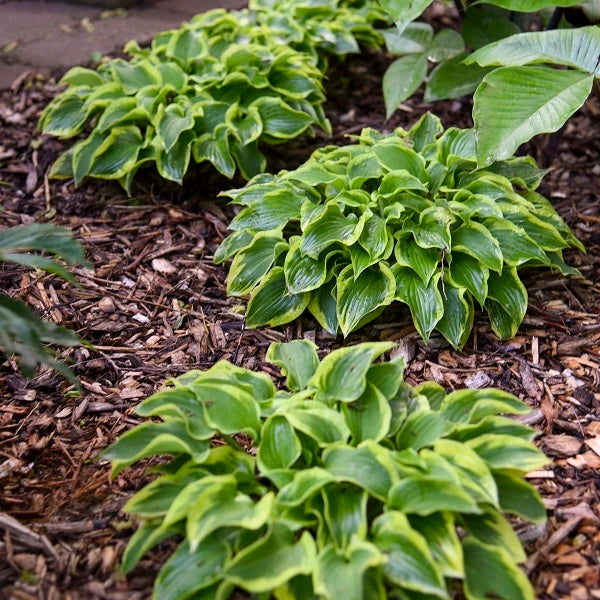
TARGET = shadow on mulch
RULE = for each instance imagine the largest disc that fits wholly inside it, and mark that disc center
(154, 306)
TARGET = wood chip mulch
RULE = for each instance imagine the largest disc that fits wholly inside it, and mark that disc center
(154, 306)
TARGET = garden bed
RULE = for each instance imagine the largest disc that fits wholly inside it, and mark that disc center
(154, 305)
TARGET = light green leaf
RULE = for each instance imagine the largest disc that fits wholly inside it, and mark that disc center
(469, 406)
(446, 44)
(508, 452)
(342, 374)
(404, 12)
(279, 446)
(422, 428)
(519, 497)
(272, 560)
(117, 154)
(172, 121)
(173, 165)
(513, 104)
(466, 272)
(529, 6)
(510, 294)
(369, 416)
(325, 425)
(279, 120)
(143, 540)
(423, 261)
(77, 76)
(415, 39)
(135, 76)
(305, 483)
(65, 117)
(303, 273)
(453, 79)
(272, 211)
(297, 360)
(345, 513)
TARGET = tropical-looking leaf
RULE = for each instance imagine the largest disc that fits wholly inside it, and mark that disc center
(404, 217)
(332, 500)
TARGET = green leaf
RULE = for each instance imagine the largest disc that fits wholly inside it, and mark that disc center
(187, 572)
(410, 563)
(342, 374)
(154, 438)
(253, 262)
(232, 244)
(297, 360)
(215, 148)
(117, 154)
(77, 76)
(325, 425)
(272, 560)
(423, 261)
(474, 239)
(172, 121)
(457, 321)
(415, 39)
(578, 48)
(481, 26)
(490, 570)
(519, 497)
(513, 104)
(143, 540)
(173, 165)
(66, 117)
(529, 6)
(186, 45)
(340, 573)
(508, 291)
(427, 495)
(425, 301)
(345, 513)
(134, 77)
(303, 273)
(508, 452)
(305, 483)
(422, 428)
(369, 417)
(272, 211)
(402, 79)
(453, 79)
(357, 297)
(396, 157)
(469, 406)
(279, 446)
(467, 272)
(271, 303)
(403, 12)
(121, 112)
(279, 120)
(446, 44)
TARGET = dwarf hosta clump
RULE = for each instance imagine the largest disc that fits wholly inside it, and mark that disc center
(357, 485)
(404, 217)
(210, 91)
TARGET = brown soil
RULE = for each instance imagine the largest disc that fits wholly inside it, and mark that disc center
(154, 305)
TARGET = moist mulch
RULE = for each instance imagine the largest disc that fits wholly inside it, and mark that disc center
(154, 305)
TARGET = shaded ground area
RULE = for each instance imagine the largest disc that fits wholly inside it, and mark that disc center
(39, 36)
(154, 305)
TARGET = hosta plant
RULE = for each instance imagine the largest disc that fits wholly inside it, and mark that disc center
(22, 332)
(213, 91)
(351, 484)
(404, 217)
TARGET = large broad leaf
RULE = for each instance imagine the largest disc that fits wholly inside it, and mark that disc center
(425, 301)
(415, 39)
(481, 26)
(303, 273)
(467, 272)
(135, 76)
(402, 79)
(491, 571)
(271, 303)
(272, 560)
(342, 374)
(404, 12)
(507, 452)
(143, 540)
(578, 48)
(279, 120)
(324, 425)
(424, 261)
(187, 572)
(345, 513)
(474, 239)
(306, 482)
(173, 165)
(340, 573)
(272, 211)
(410, 563)
(360, 296)
(453, 79)
(172, 121)
(370, 416)
(513, 104)
(215, 149)
(508, 293)
(297, 360)
(469, 406)
(457, 322)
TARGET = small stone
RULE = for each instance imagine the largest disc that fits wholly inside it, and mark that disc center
(107, 305)
(162, 265)
(478, 380)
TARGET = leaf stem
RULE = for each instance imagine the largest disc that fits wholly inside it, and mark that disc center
(231, 442)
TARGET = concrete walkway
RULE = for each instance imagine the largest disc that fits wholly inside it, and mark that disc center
(41, 36)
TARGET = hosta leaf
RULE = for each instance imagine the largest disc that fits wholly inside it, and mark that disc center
(272, 560)
(423, 261)
(228, 408)
(387, 377)
(117, 154)
(508, 291)
(374, 237)
(507, 452)
(134, 77)
(370, 416)
(83, 152)
(425, 131)
(467, 272)
(143, 540)
(271, 303)
(306, 482)
(469, 406)
(232, 244)
(457, 321)
(490, 570)
(331, 227)
(357, 297)
(154, 438)
(474, 239)
(422, 428)
(519, 497)
(425, 301)
(187, 572)
(297, 360)
(323, 306)
(273, 211)
(402, 79)
(66, 117)
(410, 563)
(279, 446)
(172, 121)
(426, 495)
(481, 26)
(173, 165)
(578, 48)
(120, 112)
(513, 104)
(433, 229)
(403, 12)
(517, 247)
(77, 76)
(367, 466)
(342, 374)
(215, 149)
(396, 157)
(246, 127)
(280, 120)
(453, 79)
(252, 263)
(303, 273)
(248, 158)
(340, 573)
(325, 425)
(439, 532)
(345, 513)
(186, 45)
(530, 5)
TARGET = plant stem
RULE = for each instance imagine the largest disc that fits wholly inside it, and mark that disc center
(555, 18)
(231, 442)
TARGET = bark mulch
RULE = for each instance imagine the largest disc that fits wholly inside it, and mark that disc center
(153, 305)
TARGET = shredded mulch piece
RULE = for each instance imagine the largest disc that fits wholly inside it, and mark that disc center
(154, 306)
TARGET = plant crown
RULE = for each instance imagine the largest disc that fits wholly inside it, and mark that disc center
(210, 91)
(354, 486)
(404, 217)
(22, 332)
